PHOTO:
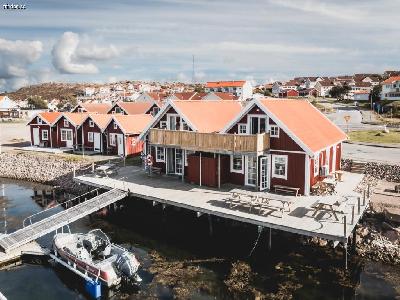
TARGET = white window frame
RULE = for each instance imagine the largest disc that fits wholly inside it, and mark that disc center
(160, 159)
(115, 125)
(65, 131)
(163, 124)
(316, 164)
(91, 123)
(242, 126)
(90, 137)
(259, 117)
(241, 171)
(66, 123)
(39, 120)
(113, 138)
(276, 135)
(47, 135)
(274, 175)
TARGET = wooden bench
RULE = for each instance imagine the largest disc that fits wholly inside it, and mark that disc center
(287, 189)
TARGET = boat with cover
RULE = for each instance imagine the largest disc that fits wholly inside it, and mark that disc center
(94, 255)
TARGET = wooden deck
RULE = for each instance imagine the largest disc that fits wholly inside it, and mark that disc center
(174, 192)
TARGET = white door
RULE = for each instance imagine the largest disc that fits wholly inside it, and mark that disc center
(36, 138)
(178, 161)
(96, 141)
(251, 170)
(69, 138)
(264, 173)
(120, 143)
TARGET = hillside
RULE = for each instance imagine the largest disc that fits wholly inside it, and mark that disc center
(49, 91)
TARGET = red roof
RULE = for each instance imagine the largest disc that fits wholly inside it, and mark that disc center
(134, 108)
(101, 108)
(133, 124)
(216, 84)
(208, 116)
(157, 96)
(76, 118)
(305, 122)
(49, 117)
(391, 80)
(101, 120)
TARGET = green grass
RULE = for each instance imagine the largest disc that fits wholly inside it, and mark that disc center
(375, 136)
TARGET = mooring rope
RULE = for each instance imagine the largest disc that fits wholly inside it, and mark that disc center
(260, 229)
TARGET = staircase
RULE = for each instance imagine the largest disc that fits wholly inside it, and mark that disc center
(357, 167)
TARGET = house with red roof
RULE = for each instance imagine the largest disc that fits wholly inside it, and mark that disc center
(240, 88)
(92, 130)
(100, 108)
(69, 130)
(135, 108)
(122, 132)
(43, 131)
(391, 88)
(267, 143)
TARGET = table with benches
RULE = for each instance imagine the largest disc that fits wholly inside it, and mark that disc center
(286, 189)
(331, 204)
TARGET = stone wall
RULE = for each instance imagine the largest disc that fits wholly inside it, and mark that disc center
(51, 169)
(377, 170)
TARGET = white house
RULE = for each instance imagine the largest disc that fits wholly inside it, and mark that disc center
(276, 88)
(89, 91)
(391, 88)
(243, 89)
(323, 87)
(9, 108)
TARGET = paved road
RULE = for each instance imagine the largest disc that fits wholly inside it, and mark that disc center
(368, 153)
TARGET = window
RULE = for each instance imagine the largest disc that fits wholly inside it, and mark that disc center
(160, 154)
(163, 124)
(155, 111)
(66, 123)
(274, 131)
(279, 166)
(115, 126)
(39, 120)
(242, 128)
(45, 135)
(91, 123)
(66, 135)
(316, 164)
(112, 139)
(118, 110)
(184, 126)
(90, 137)
(237, 163)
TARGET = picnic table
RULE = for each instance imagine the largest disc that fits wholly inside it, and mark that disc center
(105, 169)
(331, 204)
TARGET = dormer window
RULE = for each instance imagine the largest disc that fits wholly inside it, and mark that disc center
(115, 126)
(39, 120)
(66, 123)
(91, 123)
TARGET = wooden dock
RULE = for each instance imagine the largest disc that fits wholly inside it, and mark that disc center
(14, 256)
(300, 220)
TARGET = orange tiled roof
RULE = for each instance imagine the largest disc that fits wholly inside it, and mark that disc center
(303, 120)
(226, 96)
(76, 118)
(185, 95)
(101, 120)
(216, 84)
(198, 96)
(157, 96)
(391, 79)
(134, 108)
(208, 116)
(133, 124)
(101, 108)
(49, 117)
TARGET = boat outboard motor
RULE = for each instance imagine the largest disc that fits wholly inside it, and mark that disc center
(127, 264)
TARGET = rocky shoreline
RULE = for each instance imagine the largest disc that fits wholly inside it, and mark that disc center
(50, 169)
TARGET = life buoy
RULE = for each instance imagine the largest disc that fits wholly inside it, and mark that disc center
(149, 160)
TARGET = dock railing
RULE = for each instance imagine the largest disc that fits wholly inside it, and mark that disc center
(210, 142)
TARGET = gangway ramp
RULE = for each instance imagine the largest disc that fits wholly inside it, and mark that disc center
(32, 232)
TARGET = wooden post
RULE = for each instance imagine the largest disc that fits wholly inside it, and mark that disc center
(270, 239)
(368, 187)
(345, 226)
(352, 214)
(358, 204)
(92, 167)
(345, 254)
(74, 171)
(354, 243)
(183, 164)
(219, 170)
(363, 197)
(200, 168)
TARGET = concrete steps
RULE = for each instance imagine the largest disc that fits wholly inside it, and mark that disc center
(357, 167)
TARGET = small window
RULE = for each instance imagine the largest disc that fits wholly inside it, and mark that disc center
(237, 163)
(66, 123)
(274, 131)
(91, 123)
(39, 120)
(45, 135)
(155, 111)
(115, 126)
(242, 129)
(112, 139)
(279, 166)
(316, 164)
(160, 154)
(90, 137)
(163, 124)
(118, 110)
(184, 126)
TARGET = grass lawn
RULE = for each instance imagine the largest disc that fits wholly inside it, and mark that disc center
(375, 136)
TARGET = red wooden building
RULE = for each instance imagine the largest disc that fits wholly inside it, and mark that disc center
(93, 136)
(68, 130)
(122, 133)
(43, 131)
(269, 142)
(135, 108)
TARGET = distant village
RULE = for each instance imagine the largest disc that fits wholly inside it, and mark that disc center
(357, 87)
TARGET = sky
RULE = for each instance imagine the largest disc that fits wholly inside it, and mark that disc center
(262, 41)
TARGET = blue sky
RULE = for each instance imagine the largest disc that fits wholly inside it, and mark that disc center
(103, 41)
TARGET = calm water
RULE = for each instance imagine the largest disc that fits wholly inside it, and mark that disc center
(289, 269)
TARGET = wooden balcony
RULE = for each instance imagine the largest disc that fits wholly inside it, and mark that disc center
(210, 142)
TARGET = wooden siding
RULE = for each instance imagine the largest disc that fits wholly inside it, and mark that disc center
(210, 142)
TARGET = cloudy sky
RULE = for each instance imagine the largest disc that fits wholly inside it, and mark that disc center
(103, 41)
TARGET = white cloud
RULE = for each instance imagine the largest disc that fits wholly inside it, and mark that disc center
(72, 55)
(15, 59)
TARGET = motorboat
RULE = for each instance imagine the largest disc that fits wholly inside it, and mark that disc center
(95, 256)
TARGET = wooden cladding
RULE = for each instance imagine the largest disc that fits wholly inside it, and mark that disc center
(210, 142)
